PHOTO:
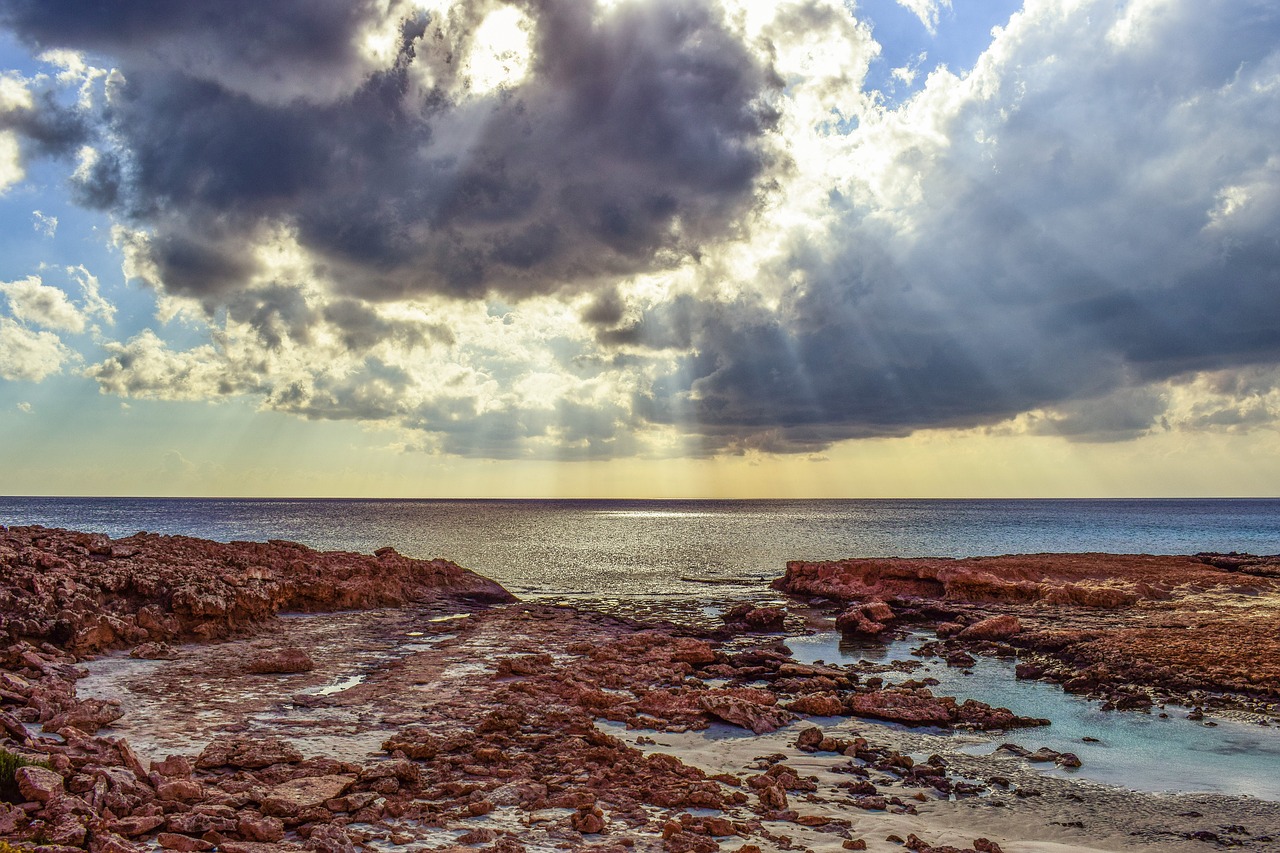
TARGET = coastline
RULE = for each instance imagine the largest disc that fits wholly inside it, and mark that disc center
(474, 720)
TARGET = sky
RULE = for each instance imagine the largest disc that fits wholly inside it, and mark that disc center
(640, 248)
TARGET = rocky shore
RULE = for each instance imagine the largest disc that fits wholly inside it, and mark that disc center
(1128, 629)
(173, 693)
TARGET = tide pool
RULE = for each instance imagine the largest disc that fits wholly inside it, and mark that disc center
(1135, 750)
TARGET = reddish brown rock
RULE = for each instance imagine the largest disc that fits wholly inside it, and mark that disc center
(328, 838)
(992, 628)
(138, 825)
(761, 719)
(162, 588)
(182, 843)
(247, 752)
(154, 651)
(88, 716)
(37, 784)
(308, 791)
(173, 767)
(1090, 580)
(747, 616)
(256, 827)
(855, 621)
(524, 664)
(180, 790)
(818, 705)
(911, 707)
(588, 821)
(282, 662)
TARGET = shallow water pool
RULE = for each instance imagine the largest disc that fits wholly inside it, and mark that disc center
(1136, 750)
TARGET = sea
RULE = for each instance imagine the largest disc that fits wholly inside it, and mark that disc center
(615, 548)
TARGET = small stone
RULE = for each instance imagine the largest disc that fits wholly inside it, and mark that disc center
(587, 822)
(1068, 759)
(281, 662)
(255, 827)
(37, 784)
(809, 738)
(182, 843)
(993, 628)
(180, 790)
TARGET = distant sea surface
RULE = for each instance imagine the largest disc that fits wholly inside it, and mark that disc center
(692, 548)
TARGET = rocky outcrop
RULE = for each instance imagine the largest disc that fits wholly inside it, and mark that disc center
(88, 593)
(1081, 580)
(281, 662)
(992, 628)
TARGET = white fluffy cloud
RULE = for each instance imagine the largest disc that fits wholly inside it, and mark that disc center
(32, 301)
(27, 355)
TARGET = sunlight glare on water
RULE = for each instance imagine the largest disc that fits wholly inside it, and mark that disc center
(646, 548)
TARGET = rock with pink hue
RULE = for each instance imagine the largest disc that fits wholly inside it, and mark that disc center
(253, 826)
(37, 784)
(761, 719)
(818, 705)
(182, 843)
(247, 752)
(878, 611)
(155, 589)
(910, 707)
(179, 791)
(690, 651)
(854, 621)
(524, 664)
(173, 767)
(88, 716)
(328, 838)
(137, 825)
(747, 616)
(154, 651)
(588, 821)
(1086, 580)
(992, 628)
(308, 791)
(281, 662)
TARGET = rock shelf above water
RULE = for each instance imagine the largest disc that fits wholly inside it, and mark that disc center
(87, 593)
(1182, 623)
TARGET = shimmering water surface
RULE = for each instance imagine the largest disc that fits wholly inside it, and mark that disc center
(674, 547)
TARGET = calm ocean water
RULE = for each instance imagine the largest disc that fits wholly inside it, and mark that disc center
(644, 548)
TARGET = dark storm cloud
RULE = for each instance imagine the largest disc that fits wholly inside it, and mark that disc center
(50, 128)
(1084, 252)
(636, 137)
(361, 328)
(283, 41)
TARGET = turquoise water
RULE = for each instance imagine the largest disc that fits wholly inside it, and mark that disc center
(625, 548)
(1137, 750)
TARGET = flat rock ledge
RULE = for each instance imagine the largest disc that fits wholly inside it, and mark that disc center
(87, 593)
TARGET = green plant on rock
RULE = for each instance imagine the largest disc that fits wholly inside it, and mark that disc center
(9, 764)
(6, 847)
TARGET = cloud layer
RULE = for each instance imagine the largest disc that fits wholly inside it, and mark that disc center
(661, 227)
(634, 139)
